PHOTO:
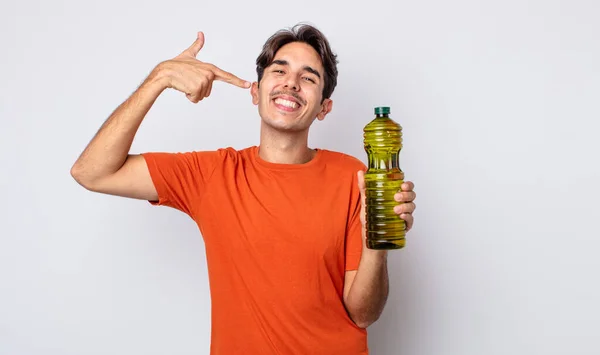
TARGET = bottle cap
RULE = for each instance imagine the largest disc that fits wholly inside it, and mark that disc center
(382, 110)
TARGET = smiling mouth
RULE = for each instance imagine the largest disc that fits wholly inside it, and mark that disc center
(286, 103)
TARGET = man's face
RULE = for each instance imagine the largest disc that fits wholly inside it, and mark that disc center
(290, 92)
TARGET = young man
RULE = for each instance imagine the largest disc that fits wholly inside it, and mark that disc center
(283, 224)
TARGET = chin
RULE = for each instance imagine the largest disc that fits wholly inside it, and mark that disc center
(285, 126)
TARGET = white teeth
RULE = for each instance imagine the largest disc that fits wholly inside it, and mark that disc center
(290, 104)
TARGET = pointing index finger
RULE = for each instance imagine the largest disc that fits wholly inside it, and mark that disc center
(227, 77)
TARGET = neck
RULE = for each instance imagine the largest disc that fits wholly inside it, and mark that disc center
(284, 147)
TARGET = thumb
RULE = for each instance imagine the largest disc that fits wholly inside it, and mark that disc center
(361, 184)
(196, 46)
(363, 197)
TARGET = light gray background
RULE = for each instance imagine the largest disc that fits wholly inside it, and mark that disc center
(499, 101)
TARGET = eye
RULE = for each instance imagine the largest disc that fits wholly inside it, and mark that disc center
(278, 71)
(309, 79)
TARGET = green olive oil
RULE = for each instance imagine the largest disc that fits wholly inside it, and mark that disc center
(383, 178)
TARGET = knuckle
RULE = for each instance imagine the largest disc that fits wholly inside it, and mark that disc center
(213, 68)
(196, 88)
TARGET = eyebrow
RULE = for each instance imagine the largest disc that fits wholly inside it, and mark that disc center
(305, 68)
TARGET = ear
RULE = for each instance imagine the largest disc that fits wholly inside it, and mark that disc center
(254, 92)
(326, 107)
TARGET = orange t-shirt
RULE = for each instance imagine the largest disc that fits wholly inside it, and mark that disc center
(278, 239)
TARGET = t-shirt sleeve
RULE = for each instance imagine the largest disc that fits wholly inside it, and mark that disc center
(180, 179)
(354, 239)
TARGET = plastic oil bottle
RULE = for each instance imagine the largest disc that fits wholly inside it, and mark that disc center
(383, 178)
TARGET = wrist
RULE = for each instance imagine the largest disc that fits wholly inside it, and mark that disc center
(159, 78)
(371, 253)
(374, 256)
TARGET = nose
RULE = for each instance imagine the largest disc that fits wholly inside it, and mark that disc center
(291, 82)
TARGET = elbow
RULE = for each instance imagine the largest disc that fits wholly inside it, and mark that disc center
(364, 314)
(364, 321)
(76, 173)
(79, 175)
(364, 324)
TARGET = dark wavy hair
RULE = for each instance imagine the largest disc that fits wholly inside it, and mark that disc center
(307, 34)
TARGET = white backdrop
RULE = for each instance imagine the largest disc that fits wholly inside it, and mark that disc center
(499, 101)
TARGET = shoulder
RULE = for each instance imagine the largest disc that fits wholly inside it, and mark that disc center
(342, 160)
(224, 154)
(195, 159)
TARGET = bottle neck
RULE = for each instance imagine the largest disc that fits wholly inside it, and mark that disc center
(382, 115)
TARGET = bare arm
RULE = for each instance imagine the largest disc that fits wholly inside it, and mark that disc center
(366, 289)
(105, 165)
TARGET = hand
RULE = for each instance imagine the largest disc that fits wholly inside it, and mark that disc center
(194, 78)
(405, 197)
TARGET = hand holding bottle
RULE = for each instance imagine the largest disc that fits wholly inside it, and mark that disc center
(386, 196)
(404, 197)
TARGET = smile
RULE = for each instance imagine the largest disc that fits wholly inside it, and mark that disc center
(286, 103)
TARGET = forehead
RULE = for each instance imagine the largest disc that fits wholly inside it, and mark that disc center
(300, 54)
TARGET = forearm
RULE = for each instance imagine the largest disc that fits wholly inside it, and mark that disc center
(109, 148)
(369, 291)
